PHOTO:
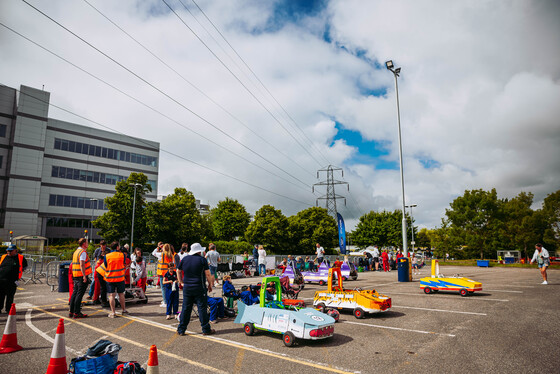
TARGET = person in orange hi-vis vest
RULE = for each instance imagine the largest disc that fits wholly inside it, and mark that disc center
(81, 269)
(165, 257)
(115, 265)
(12, 265)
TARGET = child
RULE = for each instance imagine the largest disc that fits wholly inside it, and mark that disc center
(415, 265)
(229, 291)
(171, 288)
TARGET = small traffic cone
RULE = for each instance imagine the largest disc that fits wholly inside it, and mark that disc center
(153, 361)
(57, 364)
(9, 339)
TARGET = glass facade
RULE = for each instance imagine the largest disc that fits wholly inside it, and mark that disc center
(97, 151)
(68, 222)
(90, 176)
(76, 202)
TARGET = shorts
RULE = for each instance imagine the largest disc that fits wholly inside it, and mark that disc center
(545, 263)
(375, 260)
(415, 266)
(117, 287)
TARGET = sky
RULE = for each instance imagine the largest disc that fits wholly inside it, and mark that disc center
(250, 99)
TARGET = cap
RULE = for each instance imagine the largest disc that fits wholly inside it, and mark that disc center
(11, 247)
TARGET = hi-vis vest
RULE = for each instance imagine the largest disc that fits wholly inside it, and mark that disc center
(76, 269)
(115, 267)
(163, 265)
(20, 258)
(101, 269)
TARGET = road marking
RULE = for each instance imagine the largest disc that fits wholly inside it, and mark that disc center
(239, 361)
(25, 297)
(42, 334)
(170, 341)
(22, 293)
(398, 328)
(439, 310)
(266, 352)
(504, 291)
(213, 339)
(479, 298)
(129, 341)
(122, 327)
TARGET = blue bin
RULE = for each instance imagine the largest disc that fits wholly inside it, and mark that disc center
(63, 285)
(483, 263)
(509, 260)
(403, 269)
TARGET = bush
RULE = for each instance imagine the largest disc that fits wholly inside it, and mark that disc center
(231, 247)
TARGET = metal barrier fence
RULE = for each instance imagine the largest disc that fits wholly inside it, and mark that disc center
(36, 268)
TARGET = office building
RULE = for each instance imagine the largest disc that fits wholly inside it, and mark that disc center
(55, 175)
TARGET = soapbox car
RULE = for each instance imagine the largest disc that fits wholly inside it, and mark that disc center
(357, 300)
(290, 321)
(438, 282)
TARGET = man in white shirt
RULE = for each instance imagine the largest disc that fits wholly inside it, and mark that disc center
(320, 254)
(213, 257)
(543, 260)
(376, 257)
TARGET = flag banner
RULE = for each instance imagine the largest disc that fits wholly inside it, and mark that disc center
(341, 234)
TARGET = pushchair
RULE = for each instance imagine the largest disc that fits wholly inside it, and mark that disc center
(290, 291)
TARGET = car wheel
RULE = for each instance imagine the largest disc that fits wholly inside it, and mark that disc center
(427, 290)
(249, 329)
(322, 307)
(358, 313)
(321, 283)
(464, 292)
(289, 339)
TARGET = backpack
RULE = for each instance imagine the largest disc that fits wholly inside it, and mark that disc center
(130, 367)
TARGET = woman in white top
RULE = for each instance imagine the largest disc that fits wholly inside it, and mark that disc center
(262, 260)
(543, 259)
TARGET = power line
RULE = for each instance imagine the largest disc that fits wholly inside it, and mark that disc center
(196, 87)
(162, 92)
(146, 105)
(240, 82)
(258, 79)
(162, 150)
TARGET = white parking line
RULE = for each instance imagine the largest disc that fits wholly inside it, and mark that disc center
(22, 293)
(439, 310)
(504, 291)
(398, 328)
(25, 297)
(478, 298)
(45, 336)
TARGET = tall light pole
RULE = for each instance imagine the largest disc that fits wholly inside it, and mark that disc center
(412, 223)
(133, 211)
(91, 200)
(396, 72)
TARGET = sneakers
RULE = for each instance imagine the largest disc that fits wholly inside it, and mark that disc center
(70, 315)
(123, 312)
(163, 305)
(111, 315)
(545, 282)
(88, 298)
(80, 315)
(214, 322)
(168, 317)
(211, 332)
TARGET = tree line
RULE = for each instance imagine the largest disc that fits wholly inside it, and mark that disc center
(476, 224)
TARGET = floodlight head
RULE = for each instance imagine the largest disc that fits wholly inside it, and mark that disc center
(389, 64)
(397, 70)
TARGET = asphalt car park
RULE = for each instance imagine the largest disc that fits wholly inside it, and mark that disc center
(510, 326)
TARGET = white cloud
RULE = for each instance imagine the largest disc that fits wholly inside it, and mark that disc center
(479, 94)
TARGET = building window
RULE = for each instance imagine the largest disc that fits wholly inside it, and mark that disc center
(97, 151)
(3, 131)
(90, 176)
(1, 161)
(76, 202)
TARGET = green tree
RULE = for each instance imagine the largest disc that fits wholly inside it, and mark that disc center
(519, 229)
(381, 228)
(269, 228)
(229, 219)
(116, 224)
(311, 226)
(477, 218)
(175, 219)
(551, 212)
(422, 239)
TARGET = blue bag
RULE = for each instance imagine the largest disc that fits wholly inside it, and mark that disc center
(99, 365)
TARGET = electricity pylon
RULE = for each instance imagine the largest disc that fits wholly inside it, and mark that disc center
(331, 196)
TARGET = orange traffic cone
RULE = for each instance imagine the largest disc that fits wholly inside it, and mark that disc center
(9, 340)
(57, 364)
(153, 361)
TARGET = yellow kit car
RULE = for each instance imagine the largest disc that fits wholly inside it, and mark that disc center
(357, 300)
(438, 282)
